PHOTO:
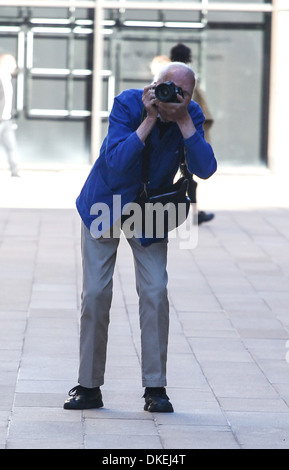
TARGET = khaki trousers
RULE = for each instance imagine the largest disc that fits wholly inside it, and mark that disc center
(98, 260)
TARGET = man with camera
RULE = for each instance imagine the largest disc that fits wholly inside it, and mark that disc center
(174, 123)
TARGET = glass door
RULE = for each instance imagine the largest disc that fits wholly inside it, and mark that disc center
(53, 88)
(231, 57)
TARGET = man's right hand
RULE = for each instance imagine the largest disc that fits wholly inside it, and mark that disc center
(149, 100)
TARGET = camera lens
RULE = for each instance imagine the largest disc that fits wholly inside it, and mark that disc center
(165, 92)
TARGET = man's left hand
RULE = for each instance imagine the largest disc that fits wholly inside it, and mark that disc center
(178, 112)
(173, 112)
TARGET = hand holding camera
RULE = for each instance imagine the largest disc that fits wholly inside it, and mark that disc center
(172, 105)
(170, 102)
(167, 100)
(149, 101)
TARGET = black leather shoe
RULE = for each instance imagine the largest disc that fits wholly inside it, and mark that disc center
(82, 398)
(204, 217)
(156, 400)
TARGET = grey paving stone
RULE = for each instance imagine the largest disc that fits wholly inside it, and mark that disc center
(197, 437)
(32, 434)
(276, 371)
(43, 386)
(51, 368)
(216, 349)
(198, 323)
(244, 404)
(120, 427)
(122, 442)
(250, 326)
(185, 371)
(261, 430)
(38, 400)
(8, 382)
(198, 302)
(198, 417)
(3, 436)
(240, 302)
(118, 410)
(231, 379)
(49, 442)
(227, 358)
(267, 348)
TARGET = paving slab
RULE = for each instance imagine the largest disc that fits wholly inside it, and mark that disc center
(228, 360)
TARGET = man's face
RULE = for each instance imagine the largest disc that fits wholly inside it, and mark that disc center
(182, 79)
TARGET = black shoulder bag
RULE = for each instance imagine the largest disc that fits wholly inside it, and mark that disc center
(165, 208)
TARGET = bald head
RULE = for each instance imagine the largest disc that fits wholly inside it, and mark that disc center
(176, 68)
(180, 74)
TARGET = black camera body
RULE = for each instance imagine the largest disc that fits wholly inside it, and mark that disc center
(167, 92)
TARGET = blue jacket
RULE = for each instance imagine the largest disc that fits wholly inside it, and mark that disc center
(118, 169)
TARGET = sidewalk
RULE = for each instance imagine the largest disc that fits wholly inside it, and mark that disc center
(228, 377)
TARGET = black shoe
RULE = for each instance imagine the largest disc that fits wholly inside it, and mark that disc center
(156, 400)
(204, 217)
(82, 398)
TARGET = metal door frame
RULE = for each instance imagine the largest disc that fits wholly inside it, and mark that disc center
(99, 6)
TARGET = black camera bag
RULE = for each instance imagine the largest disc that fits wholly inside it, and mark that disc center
(174, 198)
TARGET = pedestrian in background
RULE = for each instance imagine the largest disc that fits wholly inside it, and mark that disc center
(8, 67)
(182, 53)
(158, 62)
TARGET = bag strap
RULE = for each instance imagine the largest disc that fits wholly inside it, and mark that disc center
(146, 159)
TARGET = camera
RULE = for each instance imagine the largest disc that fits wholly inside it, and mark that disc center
(167, 92)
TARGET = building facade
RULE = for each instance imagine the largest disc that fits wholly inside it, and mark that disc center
(75, 56)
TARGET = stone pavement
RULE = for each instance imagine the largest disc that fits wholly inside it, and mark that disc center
(228, 377)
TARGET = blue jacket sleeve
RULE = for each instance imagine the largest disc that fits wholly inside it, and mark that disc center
(123, 146)
(200, 157)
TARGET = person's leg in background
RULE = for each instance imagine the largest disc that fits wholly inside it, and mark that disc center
(202, 215)
(8, 140)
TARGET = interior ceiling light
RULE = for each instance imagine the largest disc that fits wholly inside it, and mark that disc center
(162, 24)
(144, 24)
(184, 24)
